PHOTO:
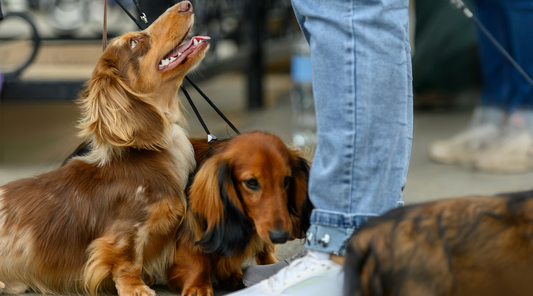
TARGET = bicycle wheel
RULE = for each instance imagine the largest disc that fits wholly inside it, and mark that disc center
(19, 43)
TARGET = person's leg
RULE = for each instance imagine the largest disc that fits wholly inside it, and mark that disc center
(513, 151)
(485, 125)
(495, 69)
(519, 21)
(361, 62)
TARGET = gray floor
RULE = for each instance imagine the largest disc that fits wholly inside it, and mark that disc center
(36, 137)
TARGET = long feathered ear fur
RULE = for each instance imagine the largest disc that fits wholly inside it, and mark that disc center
(113, 113)
(214, 198)
(300, 206)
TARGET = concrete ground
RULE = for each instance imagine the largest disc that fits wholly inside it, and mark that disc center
(36, 137)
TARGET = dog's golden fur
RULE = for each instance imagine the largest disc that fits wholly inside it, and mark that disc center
(230, 221)
(454, 247)
(105, 218)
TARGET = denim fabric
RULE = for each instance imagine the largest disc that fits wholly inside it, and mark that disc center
(362, 86)
(510, 21)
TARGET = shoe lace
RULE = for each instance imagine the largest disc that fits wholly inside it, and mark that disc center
(295, 268)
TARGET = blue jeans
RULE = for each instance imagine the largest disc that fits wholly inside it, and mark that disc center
(362, 84)
(510, 21)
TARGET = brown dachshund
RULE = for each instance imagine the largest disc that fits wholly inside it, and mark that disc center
(249, 193)
(454, 247)
(104, 219)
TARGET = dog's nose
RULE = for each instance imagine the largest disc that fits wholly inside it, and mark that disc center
(185, 6)
(279, 236)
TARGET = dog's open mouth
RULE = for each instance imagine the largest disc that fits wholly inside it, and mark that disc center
(179, 54)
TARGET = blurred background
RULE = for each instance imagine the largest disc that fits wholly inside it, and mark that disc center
(257, 72)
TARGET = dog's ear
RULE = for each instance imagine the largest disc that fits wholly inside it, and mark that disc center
(300, 205)
(214, 198)
(112, 112)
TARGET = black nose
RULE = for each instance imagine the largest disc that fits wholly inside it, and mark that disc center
(278, 236)
(185, 6)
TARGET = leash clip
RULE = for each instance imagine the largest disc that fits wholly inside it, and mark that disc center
(461, 6)
(211, 137)
(144, 18)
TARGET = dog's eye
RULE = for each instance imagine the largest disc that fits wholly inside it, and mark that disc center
(252, 184)
(287, 181)
(134, 43)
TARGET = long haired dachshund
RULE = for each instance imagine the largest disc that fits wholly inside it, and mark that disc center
(249, 193)
(453, 247)
(103, 219)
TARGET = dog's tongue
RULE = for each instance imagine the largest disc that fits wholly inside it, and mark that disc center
(180, 53)
(194, 41)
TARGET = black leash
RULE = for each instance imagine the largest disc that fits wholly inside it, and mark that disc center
(468, 13)
(142, 16)
(210, 137)
(212, 105)
(1, 14)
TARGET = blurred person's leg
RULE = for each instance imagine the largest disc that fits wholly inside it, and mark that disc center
(513, 151)
(519, 17)
(485, 125)
(362, 86)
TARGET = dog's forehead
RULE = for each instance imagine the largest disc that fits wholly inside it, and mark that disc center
(261, 154)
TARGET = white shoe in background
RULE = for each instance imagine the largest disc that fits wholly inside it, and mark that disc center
(511, 153)
(464, 147)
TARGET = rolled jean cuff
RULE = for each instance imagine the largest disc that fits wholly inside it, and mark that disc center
(330, 231)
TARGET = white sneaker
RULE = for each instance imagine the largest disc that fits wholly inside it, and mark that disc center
(463, 147)
(512, 153)
(256, 273)
(307, 276)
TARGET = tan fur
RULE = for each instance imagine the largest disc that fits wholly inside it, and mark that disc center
(105, 220)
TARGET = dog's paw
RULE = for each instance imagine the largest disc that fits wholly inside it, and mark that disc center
(231, 282)
(198, 291)
(136, 290)
(2, 286)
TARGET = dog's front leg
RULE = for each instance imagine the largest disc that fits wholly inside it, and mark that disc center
(127, 278)
(267, 255)
(229, 273)
(191, 271)
(119, 258)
